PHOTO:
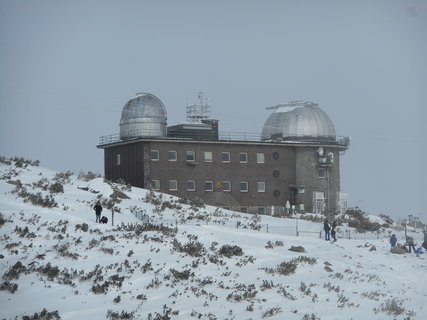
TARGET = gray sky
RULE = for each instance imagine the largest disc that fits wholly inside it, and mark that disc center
(68, 67)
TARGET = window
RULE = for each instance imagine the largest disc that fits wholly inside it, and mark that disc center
(260, 157)
(261, 186)
(226, 186)
(261, 210)
(191, 185)
(243, 157)
(244, 209)
(208, 156)
(118, 160)
(321, 172)
(154, 155)
(173, 185)
(208, 185)
(244, 186)
(226, 208)
(172, 155)
(155, 184)
(225, 157)
(191, 156)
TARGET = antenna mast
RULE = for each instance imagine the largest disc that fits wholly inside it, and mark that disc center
(199, 111)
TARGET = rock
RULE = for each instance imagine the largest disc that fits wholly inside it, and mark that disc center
(279, 243)
(297, 249)
(328, 269)
(398, 250)
(373, 248)
(269, 245)
(327, 263)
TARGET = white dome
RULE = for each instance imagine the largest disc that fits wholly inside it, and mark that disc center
(143, 115)
(300, 121)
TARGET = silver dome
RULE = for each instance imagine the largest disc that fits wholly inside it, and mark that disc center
(298, 120)
(143, 115)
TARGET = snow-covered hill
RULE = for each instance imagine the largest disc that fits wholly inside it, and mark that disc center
(202, 263)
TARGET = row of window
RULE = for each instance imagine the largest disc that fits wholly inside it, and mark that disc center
(209, 185)
(190, 156)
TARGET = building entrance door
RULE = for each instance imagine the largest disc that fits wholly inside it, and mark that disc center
(318, 202)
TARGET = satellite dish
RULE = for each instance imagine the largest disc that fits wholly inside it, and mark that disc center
(320, 151)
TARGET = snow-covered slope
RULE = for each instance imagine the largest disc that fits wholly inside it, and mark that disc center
(57, 262)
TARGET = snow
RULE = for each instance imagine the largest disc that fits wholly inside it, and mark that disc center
(159, 280)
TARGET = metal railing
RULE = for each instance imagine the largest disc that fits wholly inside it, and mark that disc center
(285, 230)
(227, 136)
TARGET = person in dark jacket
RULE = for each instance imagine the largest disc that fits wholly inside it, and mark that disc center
(425, 240)
(410, 243)
(393, 241)
(98, 210)
(327, 229)
(334, 231)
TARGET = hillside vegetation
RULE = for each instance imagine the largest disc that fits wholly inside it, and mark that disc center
(188, 260)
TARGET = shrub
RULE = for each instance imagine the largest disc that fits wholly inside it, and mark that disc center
(5, 160)
(286, 268)
(2, 220)
(56, 187)
(391, 307)
(24, 233)
(140, 228)
(63, 251)
(193, 248)
(271, 312)
(35, 198)
(360, 222)
(112, 315)
(229, 251)
(100, 289)
(181, 275)
(15, 271)
(8, 286)
(84, 227)
(242, 292)
(43, 315)
(63, 177)
(49, 271)
(88, 176)
(124, 185)
(386, 218)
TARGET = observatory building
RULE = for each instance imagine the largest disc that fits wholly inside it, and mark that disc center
(293, 163)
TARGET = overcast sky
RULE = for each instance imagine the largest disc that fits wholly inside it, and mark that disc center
(67, 68)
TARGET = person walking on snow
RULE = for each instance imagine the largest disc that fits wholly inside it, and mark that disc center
(334, 231)
(327, 229)
(410, 243)
(98, 209)
(393, 241)
(424, 245)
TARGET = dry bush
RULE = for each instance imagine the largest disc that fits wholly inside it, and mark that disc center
(63, 177)
(113, 315)
(193, 248)
(391, 307)
(2, 220)
(229, 251)
(43, 315)
(361, 222)
(8, 286)
(88, 176)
